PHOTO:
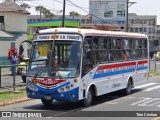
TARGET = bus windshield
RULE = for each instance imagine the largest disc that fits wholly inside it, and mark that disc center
(57, 58)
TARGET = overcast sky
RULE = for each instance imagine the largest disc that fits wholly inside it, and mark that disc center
(141, 7)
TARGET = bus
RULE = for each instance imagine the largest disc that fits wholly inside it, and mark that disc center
(79, 64)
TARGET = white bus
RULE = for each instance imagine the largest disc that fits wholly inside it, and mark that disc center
(79, 64)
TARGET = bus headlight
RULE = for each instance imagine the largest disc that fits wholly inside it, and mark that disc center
(31, 87)
(62, 90)
(67, 87)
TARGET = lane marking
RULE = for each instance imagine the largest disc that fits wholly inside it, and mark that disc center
(120, 100)
(145, 85)
(141, 101)
(152, 88)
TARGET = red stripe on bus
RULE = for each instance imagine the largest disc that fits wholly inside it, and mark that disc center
(143, 62)
(116, 65)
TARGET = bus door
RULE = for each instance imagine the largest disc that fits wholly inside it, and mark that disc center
(87, 62)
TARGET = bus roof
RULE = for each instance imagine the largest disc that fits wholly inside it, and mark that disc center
(92, 32)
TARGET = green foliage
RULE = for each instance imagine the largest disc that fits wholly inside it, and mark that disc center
(25, 6)
(154, 73)
(73, 13)
(12, 95)
(47, 13)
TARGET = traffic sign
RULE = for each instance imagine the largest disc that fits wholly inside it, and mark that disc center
(156, 42)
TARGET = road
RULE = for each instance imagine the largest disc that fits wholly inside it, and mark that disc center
(145, 97)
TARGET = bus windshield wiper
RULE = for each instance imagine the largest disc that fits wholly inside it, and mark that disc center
(39, 70)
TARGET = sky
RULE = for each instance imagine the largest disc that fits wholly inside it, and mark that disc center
(141, 7)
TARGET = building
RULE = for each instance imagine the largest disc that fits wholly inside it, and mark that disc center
(146, 24)
(13, 27)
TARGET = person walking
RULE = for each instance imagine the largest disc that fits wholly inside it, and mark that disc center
(13, 61)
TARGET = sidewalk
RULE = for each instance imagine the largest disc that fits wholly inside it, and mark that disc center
(5, 71)
(7, 81)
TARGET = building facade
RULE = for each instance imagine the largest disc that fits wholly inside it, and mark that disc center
(13, 27)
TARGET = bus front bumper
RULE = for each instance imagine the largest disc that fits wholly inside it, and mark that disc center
(71, 95)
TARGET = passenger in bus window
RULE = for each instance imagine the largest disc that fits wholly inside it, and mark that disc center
(124, 57)
(111, 56)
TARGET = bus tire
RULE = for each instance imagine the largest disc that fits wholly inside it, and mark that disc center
(46, 102)
(89, 98)
(128, 89)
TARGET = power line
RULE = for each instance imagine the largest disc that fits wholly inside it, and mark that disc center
(51, 9)
(77, 6)
(68, 4)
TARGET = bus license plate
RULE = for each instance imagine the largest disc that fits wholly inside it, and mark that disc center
(48, 97)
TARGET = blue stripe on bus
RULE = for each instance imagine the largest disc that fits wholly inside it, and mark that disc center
(118, 72)
(113, 73)
(143, 68)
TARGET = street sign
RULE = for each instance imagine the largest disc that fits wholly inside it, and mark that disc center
(156, 42)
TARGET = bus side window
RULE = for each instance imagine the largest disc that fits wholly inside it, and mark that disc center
(95, 51)
(126, 49)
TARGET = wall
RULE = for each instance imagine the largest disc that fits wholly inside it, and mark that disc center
(19, 23)
(5, 45)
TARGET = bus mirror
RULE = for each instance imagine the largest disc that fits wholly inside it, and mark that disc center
(24, 51)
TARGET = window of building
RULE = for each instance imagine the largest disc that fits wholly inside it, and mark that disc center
(140, 29)
(122, 28)
(136, 29)
(1, 19)
(153, 37)
(144, 30)
(131, 30)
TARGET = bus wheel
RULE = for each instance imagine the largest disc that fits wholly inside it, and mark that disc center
(128, 89)
(46, 102)
(89, 98)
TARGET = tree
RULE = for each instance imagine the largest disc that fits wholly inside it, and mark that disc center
(44, 11)
(25, 6)
(39, 9)
(73, 13)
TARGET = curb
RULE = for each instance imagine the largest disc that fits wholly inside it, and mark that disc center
(14, 101)
(6, 75)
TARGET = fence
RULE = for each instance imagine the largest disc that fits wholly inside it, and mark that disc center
(154, 64)
(10, 82)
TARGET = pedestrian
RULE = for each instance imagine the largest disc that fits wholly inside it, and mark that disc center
(13, 61)
(21, 54)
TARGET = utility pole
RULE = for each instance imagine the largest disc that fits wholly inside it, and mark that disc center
(131, 3)
(64, 5)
